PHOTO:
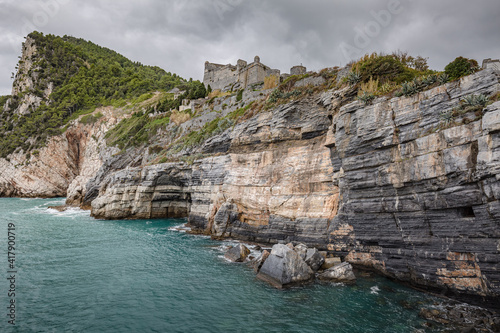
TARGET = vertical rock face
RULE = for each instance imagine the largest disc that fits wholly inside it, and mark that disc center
(420, 201)
(157, 191)
(61, 168)
(391, 185)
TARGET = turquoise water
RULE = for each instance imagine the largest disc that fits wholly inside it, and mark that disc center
(77, 274)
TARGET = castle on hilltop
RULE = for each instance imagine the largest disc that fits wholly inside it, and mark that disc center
(230, 77)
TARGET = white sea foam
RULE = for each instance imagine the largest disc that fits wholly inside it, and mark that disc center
(374, 290)
(71, 212)
(180, 228)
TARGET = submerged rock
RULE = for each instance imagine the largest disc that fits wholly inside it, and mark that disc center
(284, 267)
(339, 273)
(238, 253)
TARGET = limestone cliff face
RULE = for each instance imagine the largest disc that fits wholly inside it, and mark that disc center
(420, 201)
(392, 186)
(62, 167)
(25, 81)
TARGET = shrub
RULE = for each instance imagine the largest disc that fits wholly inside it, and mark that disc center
(366, 97)
(447, 116)
(461, 67)
(239, 97)
(475, 100)
(385, 68)
(353, 78)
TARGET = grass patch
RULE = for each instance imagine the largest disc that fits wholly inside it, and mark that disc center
(91, 118)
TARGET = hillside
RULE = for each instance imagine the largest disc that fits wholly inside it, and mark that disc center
(61, 78)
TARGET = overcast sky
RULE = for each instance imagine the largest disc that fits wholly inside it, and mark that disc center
(180, 35)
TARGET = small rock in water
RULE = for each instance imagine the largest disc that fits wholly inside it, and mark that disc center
(238, 253)
(284, 267)
(339, 273)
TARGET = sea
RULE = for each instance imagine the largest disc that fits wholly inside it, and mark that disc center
(68, 272)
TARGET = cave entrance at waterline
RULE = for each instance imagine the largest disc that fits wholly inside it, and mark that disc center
(170, 205)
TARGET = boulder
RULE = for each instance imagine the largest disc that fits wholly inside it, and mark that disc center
(330, 262)
(260, 261)
(284, 267)
(339, 273)
(301, 249)
(238, 253)
(314, 259)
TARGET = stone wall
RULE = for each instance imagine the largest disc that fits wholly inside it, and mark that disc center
(229, 77)
(219, 76)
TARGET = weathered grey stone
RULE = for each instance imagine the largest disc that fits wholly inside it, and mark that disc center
(237, 253)
(310, 81)
(339, 273)
(284, 267)
(301, 250)
(314, 259)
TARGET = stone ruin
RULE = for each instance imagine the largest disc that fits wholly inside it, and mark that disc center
(494, 64)
(230, 77)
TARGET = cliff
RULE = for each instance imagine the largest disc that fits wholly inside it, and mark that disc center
(63, 166)
(407, 186)
(391, 186)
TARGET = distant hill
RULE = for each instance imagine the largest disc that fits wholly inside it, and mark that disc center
(59, 78)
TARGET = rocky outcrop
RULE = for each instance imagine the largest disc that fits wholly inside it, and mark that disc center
(159, 191)
(392, 186)
(237, 253)
(403, 185)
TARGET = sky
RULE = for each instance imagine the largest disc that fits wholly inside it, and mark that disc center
(180, 35)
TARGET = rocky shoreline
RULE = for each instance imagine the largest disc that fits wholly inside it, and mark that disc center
(287, 269)
(295, 265)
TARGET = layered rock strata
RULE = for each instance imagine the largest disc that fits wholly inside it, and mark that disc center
(395, 186)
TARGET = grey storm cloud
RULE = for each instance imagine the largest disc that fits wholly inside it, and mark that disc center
(180, 35)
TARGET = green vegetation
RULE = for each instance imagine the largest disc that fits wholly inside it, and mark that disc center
(84, 76)
(366, 97)
(461, 67)
(3, 100)
(136, 130)
(216, 126)
(140, 128)
(385, 68)
(90, 118)
(469, 104)
(278, 95)
(353, 77)
(239, 97)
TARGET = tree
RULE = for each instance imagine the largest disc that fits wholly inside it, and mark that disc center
(461, 67)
